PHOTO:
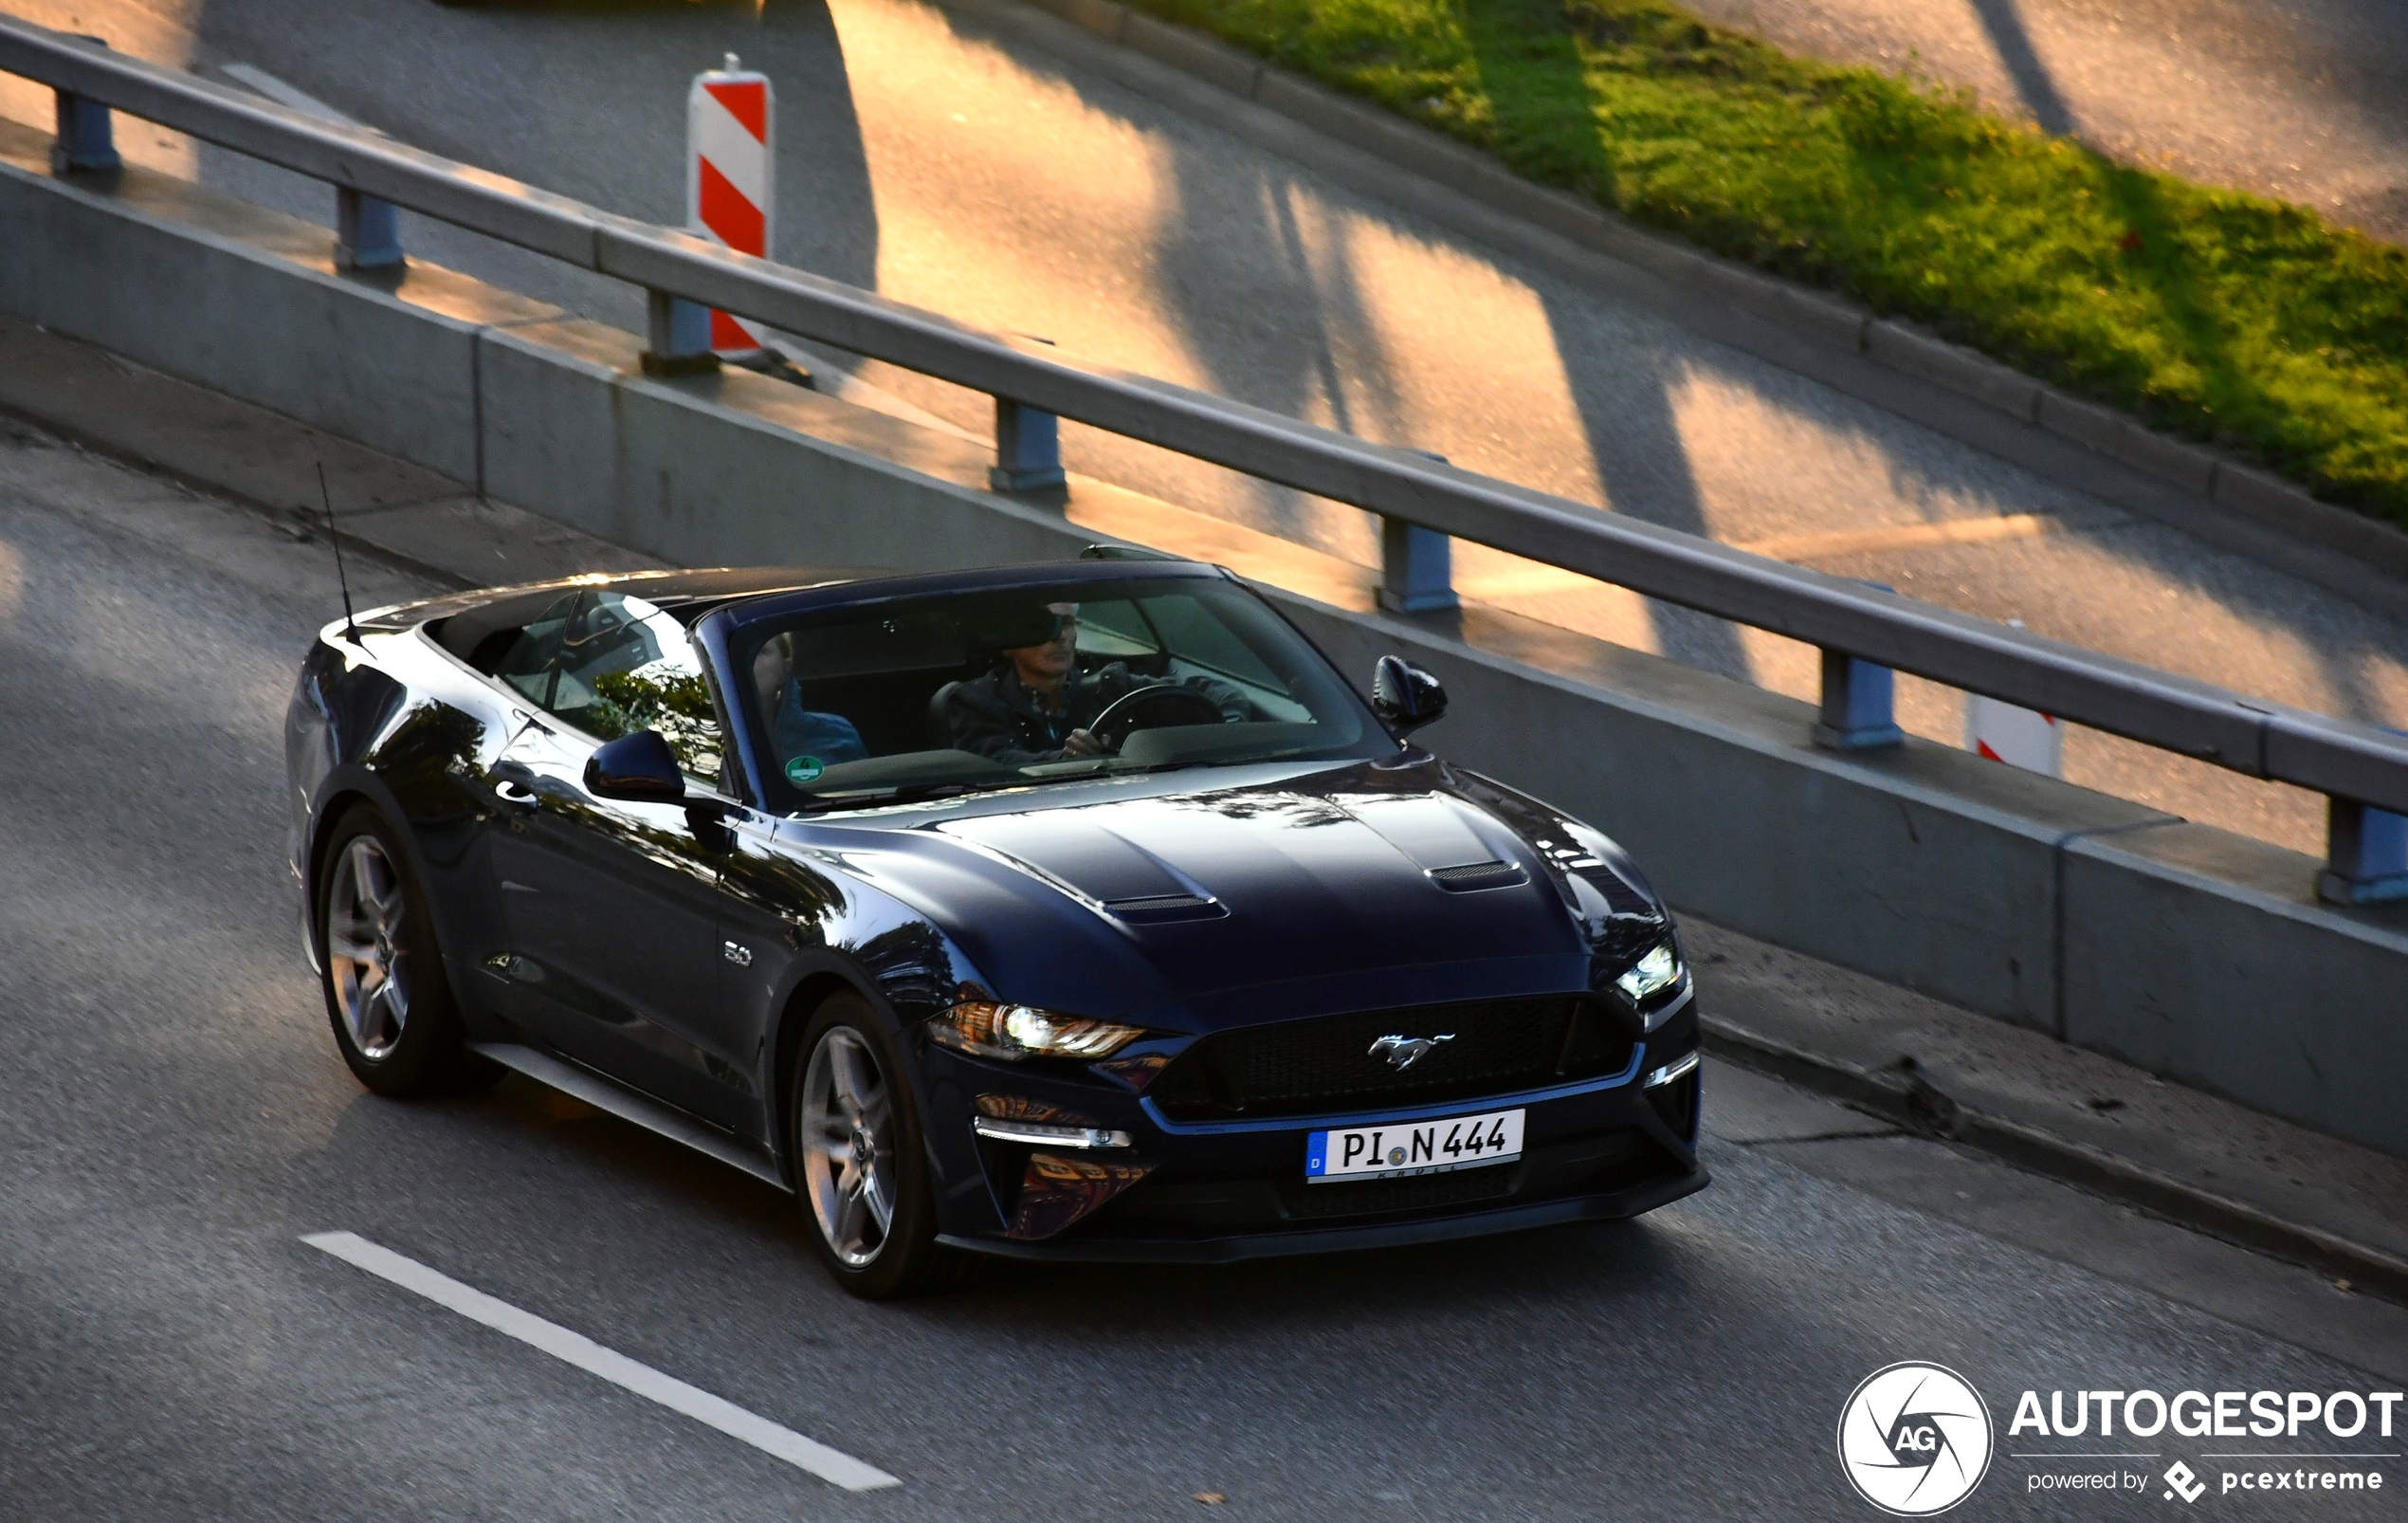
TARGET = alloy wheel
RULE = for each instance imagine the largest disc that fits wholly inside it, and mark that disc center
(848, 1147)
(366, 947)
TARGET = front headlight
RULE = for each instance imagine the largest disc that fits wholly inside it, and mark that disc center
(1652, 974)
(1016, 1032)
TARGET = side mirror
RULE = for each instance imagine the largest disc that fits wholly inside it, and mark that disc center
(638, 769)
(1404, 696)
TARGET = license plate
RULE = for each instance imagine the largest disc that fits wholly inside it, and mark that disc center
(1412, 1148)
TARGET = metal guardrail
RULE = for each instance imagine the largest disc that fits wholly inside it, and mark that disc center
(1856, 626)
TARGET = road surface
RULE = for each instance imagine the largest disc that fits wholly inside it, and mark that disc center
(925, 157)
(174, 1120)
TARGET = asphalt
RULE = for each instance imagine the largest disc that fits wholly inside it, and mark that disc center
(948, 160)
(2296, 98)
(2187, 1156)
(174, 1120)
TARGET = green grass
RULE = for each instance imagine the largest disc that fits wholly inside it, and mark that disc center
(2214, 315)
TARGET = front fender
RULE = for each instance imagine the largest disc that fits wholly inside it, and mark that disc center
(897, 961)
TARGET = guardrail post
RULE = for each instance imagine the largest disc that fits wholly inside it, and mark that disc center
(1417, 566)
(1860, 709)
(2365, 855)
(677, 336)
(367, 232)
(84, 140)
(1859, 704)
(1027, 449)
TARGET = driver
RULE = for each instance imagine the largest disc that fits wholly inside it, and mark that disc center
(1036, 704)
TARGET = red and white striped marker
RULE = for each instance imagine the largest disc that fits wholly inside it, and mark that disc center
(731, 186)
(2020, 737)
(2023, 738)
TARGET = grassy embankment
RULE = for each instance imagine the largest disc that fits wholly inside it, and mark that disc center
(2214, 315)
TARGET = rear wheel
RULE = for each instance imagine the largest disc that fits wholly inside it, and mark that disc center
(392, 1008)
(859, 1157)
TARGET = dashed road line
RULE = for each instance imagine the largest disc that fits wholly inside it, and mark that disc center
(575, 1348)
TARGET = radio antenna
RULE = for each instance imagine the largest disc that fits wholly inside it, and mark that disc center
(350, 624)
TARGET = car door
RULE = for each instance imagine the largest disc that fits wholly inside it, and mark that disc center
(611, 908)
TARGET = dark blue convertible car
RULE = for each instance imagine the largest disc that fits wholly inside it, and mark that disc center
(1078, 910)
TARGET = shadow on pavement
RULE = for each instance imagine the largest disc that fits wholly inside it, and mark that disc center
(1618, 395)
(2003, 21)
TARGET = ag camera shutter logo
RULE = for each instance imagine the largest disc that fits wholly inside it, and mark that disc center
(1915, 1438)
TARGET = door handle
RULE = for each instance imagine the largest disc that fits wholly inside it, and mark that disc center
(514, 784)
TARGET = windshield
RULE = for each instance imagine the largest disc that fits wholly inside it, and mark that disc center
(987, 689)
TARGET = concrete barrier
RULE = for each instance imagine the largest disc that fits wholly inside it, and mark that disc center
(2201, 954)
(2194, 953)
(209, 291)
(707, 470)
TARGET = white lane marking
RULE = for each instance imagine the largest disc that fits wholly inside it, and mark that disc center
(258, 79)
(575, 1348)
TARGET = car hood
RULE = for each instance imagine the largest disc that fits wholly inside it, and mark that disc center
(1358, 887)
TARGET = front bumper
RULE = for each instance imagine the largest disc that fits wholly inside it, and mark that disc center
(1612, 1206)
(1591, 1151)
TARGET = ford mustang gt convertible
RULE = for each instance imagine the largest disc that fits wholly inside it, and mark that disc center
(1077, 910)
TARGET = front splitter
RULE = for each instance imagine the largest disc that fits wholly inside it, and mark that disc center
(1618, 1206)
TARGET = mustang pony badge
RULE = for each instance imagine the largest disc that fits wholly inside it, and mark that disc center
(1404, 1052)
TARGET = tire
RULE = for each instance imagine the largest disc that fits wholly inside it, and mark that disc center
(861, 1162)
(390, 1006)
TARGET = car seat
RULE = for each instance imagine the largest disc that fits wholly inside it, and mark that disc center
(940, 723)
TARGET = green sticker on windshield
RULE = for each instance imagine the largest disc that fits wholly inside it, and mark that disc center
(804, 769)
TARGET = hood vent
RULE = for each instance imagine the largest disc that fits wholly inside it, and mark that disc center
(1153, 910)
(1473, 876)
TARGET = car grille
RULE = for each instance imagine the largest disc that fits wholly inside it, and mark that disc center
(1326, 1066)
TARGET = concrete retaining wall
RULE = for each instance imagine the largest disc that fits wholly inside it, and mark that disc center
(2199, 955)
(2193, 952)
(195, 287)
(708, 470)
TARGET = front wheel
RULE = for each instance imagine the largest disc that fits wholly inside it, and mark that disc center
(392, 1008)
(859, 1160)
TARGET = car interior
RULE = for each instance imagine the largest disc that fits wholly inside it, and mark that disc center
(883, 675)
(891, 677)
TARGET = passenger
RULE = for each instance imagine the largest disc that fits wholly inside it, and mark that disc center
(796, 732)
(1036, 704)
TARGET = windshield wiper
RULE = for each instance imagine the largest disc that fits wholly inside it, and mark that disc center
(901, 792)
(913, 793)
(1288, 753)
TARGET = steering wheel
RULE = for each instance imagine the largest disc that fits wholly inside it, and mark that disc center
(1152, 709)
